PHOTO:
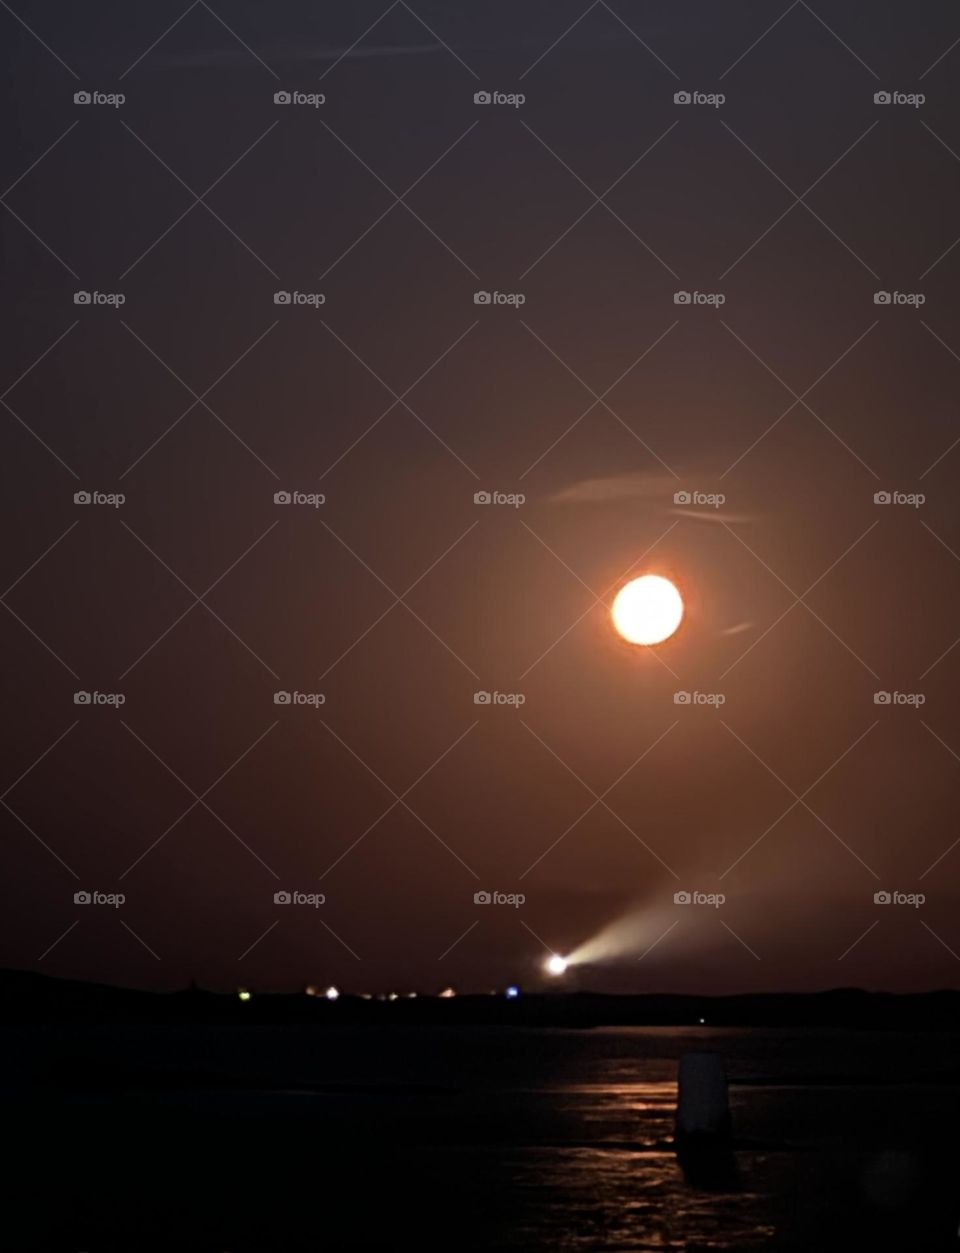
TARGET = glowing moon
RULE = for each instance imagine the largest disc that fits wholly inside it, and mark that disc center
(647, 610)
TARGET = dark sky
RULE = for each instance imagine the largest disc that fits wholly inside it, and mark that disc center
(796, 199)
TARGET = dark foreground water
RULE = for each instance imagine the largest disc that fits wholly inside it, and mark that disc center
(228, 1140)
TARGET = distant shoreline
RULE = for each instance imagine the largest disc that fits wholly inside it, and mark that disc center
(29, 998)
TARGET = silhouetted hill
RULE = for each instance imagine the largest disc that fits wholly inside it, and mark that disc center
(26, 997)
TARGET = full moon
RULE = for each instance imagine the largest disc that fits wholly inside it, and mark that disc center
(647, 610)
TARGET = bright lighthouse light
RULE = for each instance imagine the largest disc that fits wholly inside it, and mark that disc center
(647, 610)
(556, 965)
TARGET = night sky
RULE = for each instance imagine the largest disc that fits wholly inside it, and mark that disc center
(782, 386)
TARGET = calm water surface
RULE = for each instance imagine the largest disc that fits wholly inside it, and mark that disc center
(225, 1140)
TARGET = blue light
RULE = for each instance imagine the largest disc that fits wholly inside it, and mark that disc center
(512, 992)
